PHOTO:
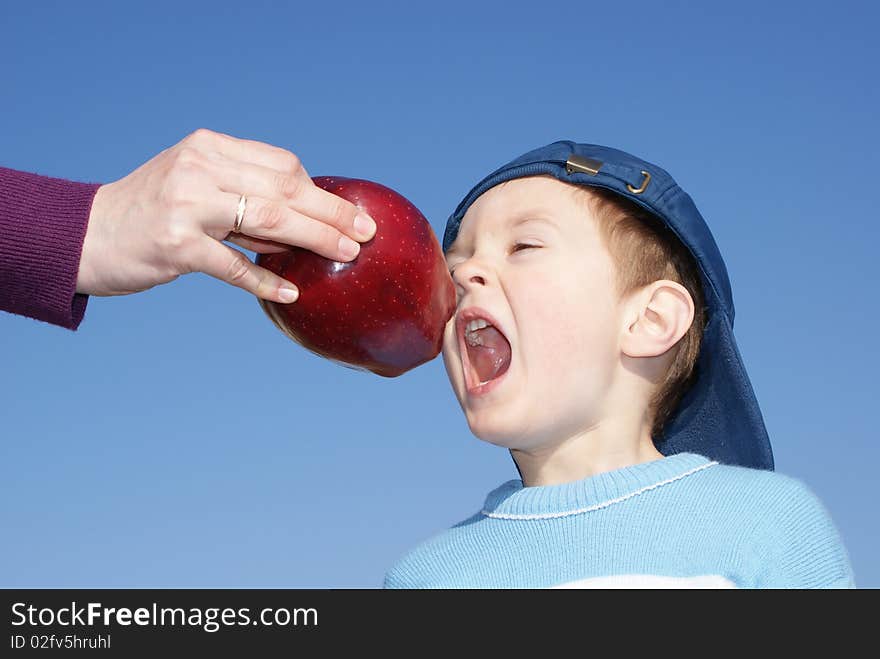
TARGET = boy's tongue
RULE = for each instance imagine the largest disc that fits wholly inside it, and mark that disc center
(490, 356)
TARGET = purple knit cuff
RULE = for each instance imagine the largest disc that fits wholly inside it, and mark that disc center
(43, 224)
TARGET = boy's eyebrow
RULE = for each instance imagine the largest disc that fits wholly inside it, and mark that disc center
(533, 218)
(519, 219)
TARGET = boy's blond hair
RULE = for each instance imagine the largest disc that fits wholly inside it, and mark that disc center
(645, 250)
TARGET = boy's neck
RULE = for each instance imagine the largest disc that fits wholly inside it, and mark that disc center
(580, 457)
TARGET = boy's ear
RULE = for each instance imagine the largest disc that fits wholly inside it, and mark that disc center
(656, 318)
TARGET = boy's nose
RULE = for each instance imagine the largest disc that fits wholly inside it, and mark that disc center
(468, 274)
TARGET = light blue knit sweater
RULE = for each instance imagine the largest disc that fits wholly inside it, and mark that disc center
(681, 521)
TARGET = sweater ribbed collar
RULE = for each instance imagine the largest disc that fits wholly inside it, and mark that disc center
(513, 501)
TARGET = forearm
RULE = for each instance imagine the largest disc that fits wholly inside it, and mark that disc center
(43, 224)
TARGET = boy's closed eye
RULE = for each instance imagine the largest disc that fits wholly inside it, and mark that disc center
(517, 247)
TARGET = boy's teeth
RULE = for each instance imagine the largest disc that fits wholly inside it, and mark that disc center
(477, 323)
(470, 332)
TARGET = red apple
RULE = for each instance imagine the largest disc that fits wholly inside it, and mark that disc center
(386, 310)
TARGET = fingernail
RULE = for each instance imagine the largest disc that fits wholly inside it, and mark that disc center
(288, 294)
(348, 247)
(365, 225)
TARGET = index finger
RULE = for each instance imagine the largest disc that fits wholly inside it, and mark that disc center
(304, 196)
(251, 151)
(299, 194)
(315, 202)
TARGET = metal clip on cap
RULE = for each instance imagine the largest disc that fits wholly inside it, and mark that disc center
(583, 165)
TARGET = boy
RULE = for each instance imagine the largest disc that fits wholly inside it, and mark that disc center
(593, 340)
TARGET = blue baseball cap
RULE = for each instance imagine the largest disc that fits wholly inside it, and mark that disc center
(719, 416)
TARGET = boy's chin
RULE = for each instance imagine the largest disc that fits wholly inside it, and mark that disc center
(502, 434)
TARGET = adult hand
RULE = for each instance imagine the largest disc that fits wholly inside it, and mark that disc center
(170, 216)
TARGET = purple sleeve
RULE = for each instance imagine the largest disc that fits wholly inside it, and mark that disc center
(43, 223)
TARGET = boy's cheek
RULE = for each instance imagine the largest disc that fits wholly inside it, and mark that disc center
(449, 348)
(449, 339)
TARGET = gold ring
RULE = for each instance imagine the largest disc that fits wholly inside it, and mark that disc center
(239, 214)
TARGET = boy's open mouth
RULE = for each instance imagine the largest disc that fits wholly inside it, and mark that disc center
(488, 350)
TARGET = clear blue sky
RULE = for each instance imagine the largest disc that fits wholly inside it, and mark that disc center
(179, 440)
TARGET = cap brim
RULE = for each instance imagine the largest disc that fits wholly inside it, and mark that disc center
(719, 416)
